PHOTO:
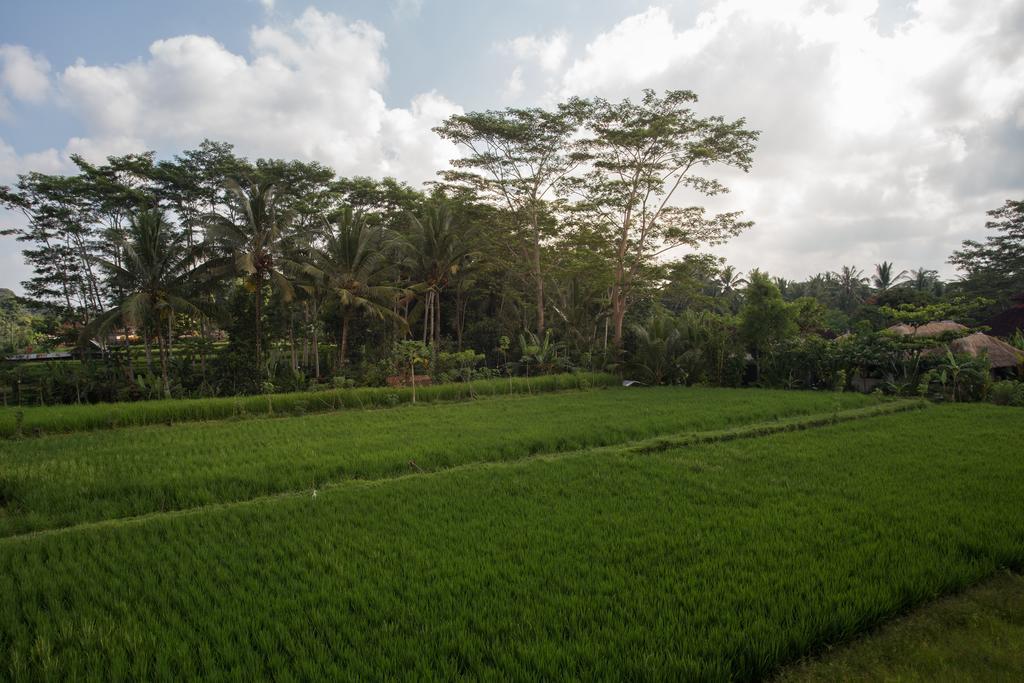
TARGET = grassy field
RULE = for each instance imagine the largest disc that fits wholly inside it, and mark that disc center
(715, 561)
(63, 479)
(33, 421)
(977, 635)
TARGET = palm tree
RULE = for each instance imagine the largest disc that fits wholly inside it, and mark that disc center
(252, 246)
(729, 283)
(784, 286)
(924, 280)
(851, 282)
(655, 357)
(351, 266)
(436, 252)
(818, 285)
(883, 279)
(157, 275)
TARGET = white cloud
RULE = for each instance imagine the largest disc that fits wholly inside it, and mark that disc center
(514, 86)
(310, 90)
(12, 163)
(23, 76)
(268, 5)
(538, 60)
(875, 145)
(546, 52)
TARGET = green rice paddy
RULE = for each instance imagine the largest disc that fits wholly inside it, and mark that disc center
(36, 420)
(66, 479)
(682, 558)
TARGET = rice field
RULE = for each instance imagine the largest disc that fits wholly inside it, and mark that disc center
(685, 559)
(37, 420)
(976, 635)
(715, 561)
(59, 480)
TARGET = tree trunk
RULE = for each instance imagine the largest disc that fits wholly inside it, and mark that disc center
(343, 346)
(202, 346)
(259, 328)
(539, 276)
(428, 309)
(148, 343)
(291, 339)
(316, 342)
(460, 315)
(437, 319)
(618, 316)
(128, 353)
(305, 335)
(163, 362)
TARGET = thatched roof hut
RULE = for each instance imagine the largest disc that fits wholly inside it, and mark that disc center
(932, 329)
(1000, 354)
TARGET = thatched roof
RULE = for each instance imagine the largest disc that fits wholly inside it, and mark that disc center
(932, 329)
(1000, 354)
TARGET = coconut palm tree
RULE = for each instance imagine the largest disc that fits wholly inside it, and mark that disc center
(435, 252)
(157, 275)
(784, 286)
(884, 279)
(730, 281)
(252, 244)
(923, 279)
(850, 282)
(655, 358)
(351, 267)
(818, 286)
(729, 284)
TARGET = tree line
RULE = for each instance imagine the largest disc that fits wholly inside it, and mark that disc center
(546, 244)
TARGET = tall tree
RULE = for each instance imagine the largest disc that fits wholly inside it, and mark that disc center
(995, 268)
(640, 155)
(765, 319)
(924, 280)
(730, 283)
(158, 277)
(885, 277)
(436, 251)
(516, 159)
(251, 245)
(351, 266)
(850, 284)
(62, 244)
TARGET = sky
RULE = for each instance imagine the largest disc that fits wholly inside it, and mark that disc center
(888, 128)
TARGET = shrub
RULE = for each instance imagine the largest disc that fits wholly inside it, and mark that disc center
(1007, 393)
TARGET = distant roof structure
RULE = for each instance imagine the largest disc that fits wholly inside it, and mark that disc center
(932, 329)
(1000, 354)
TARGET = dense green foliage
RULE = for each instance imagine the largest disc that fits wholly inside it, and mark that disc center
(995, 267)
(61, 480)
(718, 562)
(542, 250)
